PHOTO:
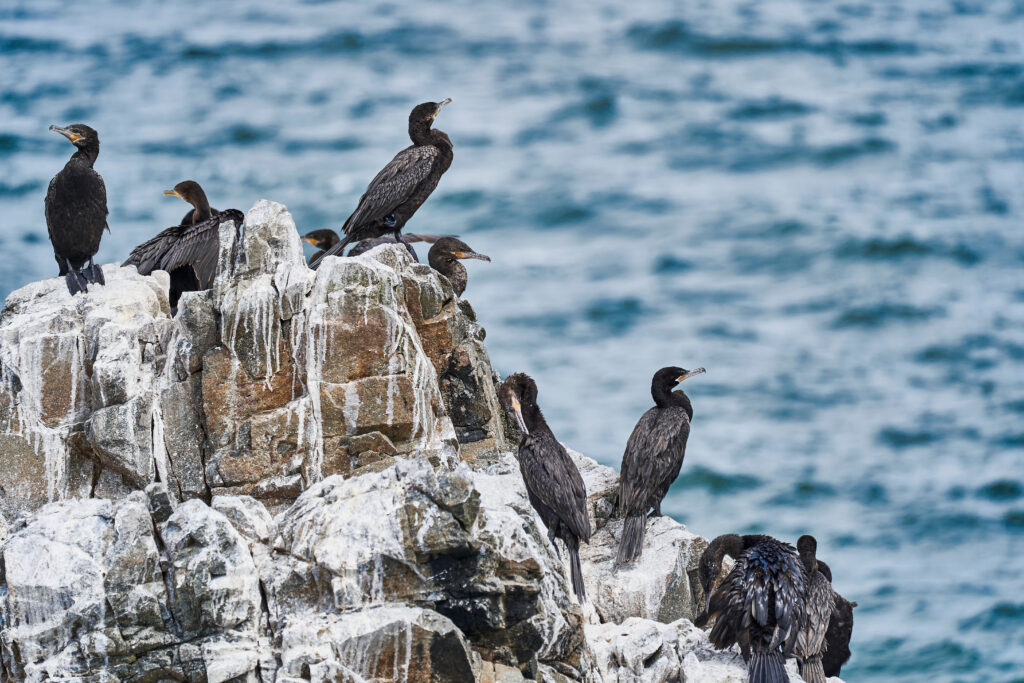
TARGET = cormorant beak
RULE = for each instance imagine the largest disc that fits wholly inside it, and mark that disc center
(691, 373)
(441, 105)
(517, 412)
(172, 193)
(471, 254)
(69, 134)
(309, 240)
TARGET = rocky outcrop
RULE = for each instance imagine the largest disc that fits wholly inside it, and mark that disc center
(300, 477)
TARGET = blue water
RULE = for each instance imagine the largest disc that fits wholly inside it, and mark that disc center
(821, 203)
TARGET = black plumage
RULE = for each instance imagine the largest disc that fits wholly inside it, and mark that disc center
(325, 239)
(189, 251)
(553, 483)
(444, 258)
(819, 602)
(76, 210)
(839, 632)
(654, 454)
(403, 185)
(760, 602)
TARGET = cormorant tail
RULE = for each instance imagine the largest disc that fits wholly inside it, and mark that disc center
(812, 670)
(767, 666)
(632, 543)
(576, 572)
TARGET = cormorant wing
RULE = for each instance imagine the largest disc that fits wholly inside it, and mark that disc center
(819, 603)
(199, 246)
(393, 185)
(657, 440)
(774, 589)
(552, 476)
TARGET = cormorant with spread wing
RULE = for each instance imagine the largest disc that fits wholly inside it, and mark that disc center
(760, 602)
(403, 185)
(76, 210)
(654, 454)
(553, 483)
(444, 258)
(325, 239)
(819, 601)
(188, 252)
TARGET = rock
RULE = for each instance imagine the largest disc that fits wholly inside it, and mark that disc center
(248, 516)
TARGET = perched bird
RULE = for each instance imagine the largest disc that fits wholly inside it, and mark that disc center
(819, 602)
(188, 252)
(654, 454)
(325, 239)
(403, 185)
(554, 485)
(839, 632)
(76, 210)
(444, 258)
(760, 602)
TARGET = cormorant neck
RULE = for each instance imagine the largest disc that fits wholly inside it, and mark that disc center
(87, 154)
(809, 560)
(533, 418)
(202, 206)
(664, 397)
(728, 544)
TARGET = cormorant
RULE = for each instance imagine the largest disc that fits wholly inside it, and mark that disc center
(325, 239)
(554, 485)
(840, 630)
(188, 252)
(819, 602)
(759, 602)
(654, 454)
(403, 185)
(444, 258)
(76, 210)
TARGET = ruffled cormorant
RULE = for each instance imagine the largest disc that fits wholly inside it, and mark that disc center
(759, 603)
(654, 454)
(819, 601)
(840, 630)
(403, 185)
(325, 239)
(76, 210)
(188, 252)
(553, 483)
(444, 258)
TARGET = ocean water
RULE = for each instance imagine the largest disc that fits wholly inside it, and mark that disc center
(819, 202)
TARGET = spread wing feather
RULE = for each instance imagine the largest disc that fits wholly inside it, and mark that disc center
(552, 477)
(393, 185)
(185, 245)
(653, 454)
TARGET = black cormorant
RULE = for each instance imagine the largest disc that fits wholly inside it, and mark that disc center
(444, 258)
(760, 602)
(403, 185)
(325, 239)
(840, 630)
(188, 252)
(554, 485)
(654, 454)
(76, 210)
(819, 601)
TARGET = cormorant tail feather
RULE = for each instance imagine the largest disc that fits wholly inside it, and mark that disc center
(576, 572)
(632, 543)
(767, 667)
(812, 670)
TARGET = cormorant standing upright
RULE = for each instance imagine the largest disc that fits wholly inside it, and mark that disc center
(839, 632)
(819, 601)
(325, 239)
(553, 483)
(403, 185)
(76, 210)
(654, 454)
(444, 258)
(188, 252)
(760, 601)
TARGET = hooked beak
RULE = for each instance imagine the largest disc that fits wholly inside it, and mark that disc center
(172, 193)
(517, 412)
(691, 373)
(441, 105)
(309, 240)
(471, 254)
(70, 135)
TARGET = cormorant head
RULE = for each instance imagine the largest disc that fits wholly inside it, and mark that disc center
(518, 390)
(807, 546)
(79, 134)
(449, 249)
(321, 239)
(711, 562)
(188, 190)
(667, 378)
(422, 116)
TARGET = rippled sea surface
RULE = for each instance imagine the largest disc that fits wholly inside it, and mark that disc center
(820, 202)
